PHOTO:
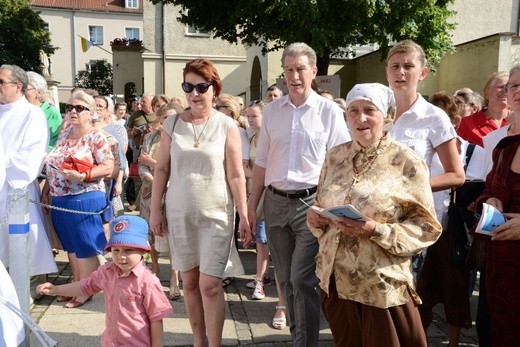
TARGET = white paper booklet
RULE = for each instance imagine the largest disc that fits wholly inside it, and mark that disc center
(336, 212)
(489, 220)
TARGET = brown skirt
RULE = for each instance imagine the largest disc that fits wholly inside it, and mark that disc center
(355, 324)
(442, 282)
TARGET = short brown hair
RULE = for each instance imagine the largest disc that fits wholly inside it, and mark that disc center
(406, 46)
(449, 104)
(206, 69)
(160, 97)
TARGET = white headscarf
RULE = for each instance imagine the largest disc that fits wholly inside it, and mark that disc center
(380, 95)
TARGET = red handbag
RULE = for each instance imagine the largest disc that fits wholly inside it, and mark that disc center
(81, 166)
(133, 170)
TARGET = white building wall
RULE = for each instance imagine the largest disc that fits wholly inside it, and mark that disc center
(480, 18)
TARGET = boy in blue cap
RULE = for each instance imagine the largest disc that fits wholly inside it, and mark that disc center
(135, 303)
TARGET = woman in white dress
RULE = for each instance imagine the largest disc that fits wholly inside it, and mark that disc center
(200, 156)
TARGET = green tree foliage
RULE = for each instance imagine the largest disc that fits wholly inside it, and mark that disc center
(331, 27)
(97, 76)
(23, 35)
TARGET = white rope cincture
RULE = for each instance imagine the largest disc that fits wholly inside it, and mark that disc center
(67, 209)
(44, 339)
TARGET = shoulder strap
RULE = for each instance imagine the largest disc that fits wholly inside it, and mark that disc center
(469, 153)
(145, 117)
(175, 123)
(252, 138)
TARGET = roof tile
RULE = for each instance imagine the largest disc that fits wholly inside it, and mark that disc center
(94, 5)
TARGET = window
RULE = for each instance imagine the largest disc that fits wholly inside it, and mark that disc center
(96, 34)
(132, 33)
(194, 31)
(132, 3)
(91, 66)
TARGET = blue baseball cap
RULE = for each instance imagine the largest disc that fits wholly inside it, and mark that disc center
(128, 231)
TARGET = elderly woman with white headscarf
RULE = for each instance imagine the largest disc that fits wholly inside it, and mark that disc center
(364, 267)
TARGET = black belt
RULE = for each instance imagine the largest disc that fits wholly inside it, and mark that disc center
(294, 194)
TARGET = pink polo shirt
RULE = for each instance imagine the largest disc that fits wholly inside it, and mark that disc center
(132, 302)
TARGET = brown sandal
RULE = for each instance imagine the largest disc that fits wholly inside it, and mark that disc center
(74, 302)
(62, 298)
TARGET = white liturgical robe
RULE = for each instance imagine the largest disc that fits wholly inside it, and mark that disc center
(11, 326)
(24, 135)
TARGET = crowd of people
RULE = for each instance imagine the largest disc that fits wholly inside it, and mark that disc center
(208, 172)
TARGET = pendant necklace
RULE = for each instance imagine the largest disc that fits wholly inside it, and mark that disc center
(196, 138)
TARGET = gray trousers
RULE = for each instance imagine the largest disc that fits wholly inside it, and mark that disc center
(293, 250)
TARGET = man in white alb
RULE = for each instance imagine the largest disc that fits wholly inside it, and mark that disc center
(24, 136)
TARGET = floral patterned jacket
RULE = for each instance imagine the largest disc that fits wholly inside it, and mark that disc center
(395, 192)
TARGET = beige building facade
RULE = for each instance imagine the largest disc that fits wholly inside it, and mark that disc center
(485, 38)
(169, 44)
(97, 20)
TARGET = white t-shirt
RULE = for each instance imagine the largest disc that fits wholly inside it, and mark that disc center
(490, 141)
(473, 172)
(244, 138)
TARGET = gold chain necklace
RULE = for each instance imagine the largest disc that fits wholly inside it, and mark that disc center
(369, 162)
(196, 138)
(363, 169)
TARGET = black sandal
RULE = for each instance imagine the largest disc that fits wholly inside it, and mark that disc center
(227, 281)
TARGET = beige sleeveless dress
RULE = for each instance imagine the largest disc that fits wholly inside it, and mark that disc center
(199, 206)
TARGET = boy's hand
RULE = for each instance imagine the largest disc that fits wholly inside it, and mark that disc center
(46, 289)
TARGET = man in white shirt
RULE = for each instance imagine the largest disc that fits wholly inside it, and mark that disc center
(24, 135)
(297, 130)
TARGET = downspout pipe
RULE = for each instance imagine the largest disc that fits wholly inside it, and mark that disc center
(163, 50)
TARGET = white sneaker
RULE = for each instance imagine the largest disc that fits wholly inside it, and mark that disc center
(251, 284)
(266, 280)
(258, 293)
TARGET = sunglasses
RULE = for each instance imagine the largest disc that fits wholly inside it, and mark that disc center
(78, 108)
(201, 88)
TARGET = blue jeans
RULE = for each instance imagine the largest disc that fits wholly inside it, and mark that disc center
(293, 250)
(261, 236)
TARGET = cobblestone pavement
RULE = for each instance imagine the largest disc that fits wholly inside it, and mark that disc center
(247, 321)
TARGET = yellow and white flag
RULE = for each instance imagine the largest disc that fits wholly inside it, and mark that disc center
(85, 44)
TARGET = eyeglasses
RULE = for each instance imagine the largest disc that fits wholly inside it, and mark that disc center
(201, 88)
(78, 108)
(218, 107)
(256, 102)
(2, 82)
(512, 87)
